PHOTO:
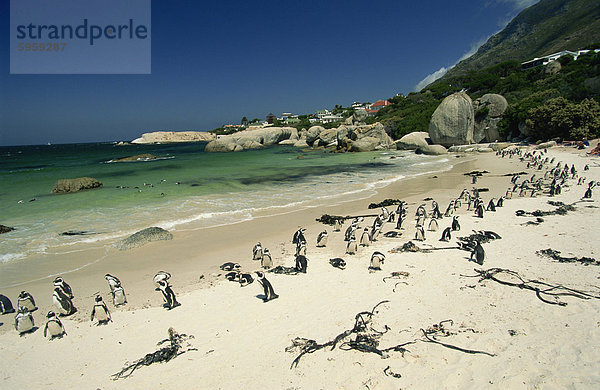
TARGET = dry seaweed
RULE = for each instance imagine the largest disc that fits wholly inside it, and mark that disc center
(165, 354)
(433, 340)
(475, 173)
(385, 203)
(537, 221)
(555, 255)
(280, 269)
(409, 247)
(561, 209)
(331, 219)
(542, 290)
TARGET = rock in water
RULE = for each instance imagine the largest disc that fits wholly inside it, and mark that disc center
(139, 157)
(413, 141)
(6, 229)
(66, 186)
(145, 236)
(452, 122)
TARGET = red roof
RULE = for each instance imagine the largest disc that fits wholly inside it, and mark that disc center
(381, 103)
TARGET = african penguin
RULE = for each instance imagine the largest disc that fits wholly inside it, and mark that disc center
(267, 287)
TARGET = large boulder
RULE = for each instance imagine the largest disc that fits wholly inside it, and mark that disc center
(413, 141)
(67, 186)
(357, 118)
(145, 236)
(327, 136)
(249, 144)
(365, 144)
(452, 122)
(546, 145)
(254, 138)
(313, 133)
(431, 150)
(161, 137)
(488, 112)
(221, 145)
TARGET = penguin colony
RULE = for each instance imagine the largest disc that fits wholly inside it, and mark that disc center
(551, 179)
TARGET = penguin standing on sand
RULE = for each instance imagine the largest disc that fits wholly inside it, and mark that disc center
(455, 224)
(267, 287)
(301, 263)
(491, 206)
(350, 232)
(420, 234)
(257, 251)
(161, 275)
(59, 282)
(100, 312)
(446, 236)
(322, 239)
(479, 253)
(377, 258)
(54, 327)
(168, 294)
(351, 247)
(299, 236)
(433, 225)
(337, 225)
(401, 218)
(301, 248)
(500, 202)
(365, 239)
(588, 192)
(116, 290)
(63, 303)
(6, 306)
(266, 261)
(24, 321)
(26, 300)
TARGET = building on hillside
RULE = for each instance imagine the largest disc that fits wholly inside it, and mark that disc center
(378, 105)
(321, 113)
(553, 57)
(331, 118)
(358, 105)
(270, 118)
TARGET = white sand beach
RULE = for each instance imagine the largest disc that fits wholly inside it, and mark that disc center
(239, 341)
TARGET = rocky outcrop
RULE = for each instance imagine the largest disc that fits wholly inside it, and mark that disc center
(431, 150)
(145, 236)
(413, 141)
(546, 145)
(369, 137)
(479, 148)
(488, 112)
(453, 121)
(66, 186)
(327, 137)
(164, 137)
(365, 144)
(357, 118)
(6, 229)
(252, 139)
(139, 157)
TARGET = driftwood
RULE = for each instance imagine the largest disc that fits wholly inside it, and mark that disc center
(165, 354)
(542, 290)
(555, 255)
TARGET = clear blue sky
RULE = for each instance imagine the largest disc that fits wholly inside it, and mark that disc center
(214, 62)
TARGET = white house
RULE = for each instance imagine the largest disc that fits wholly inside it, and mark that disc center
(553, 57)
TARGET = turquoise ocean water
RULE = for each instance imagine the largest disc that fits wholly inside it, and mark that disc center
(200, 189)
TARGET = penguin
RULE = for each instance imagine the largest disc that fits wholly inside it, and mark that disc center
(433, 225)
(338, 263)
(421, 211)
(245, 279)
(588, 192)
(337, 225)
(377, 258)
(491, 206)
(586, 168)
(266, 261)
(100, 312)
(446, 236)
(233, 276)
(113, 281)
(63, 303)
(401, 219)
(474, 180)
(267, 287)
(435, 212)
(479, 211)
(500, 202)
(54, 327)
(420, 234)
(161, 275)
(301, 263)
(479, 253)
(229, 266)
(26, 300)
(365, 239)
(375, 233)
(385, 214)
(59, 282)
(6, 306)
(421, 220)
(24, 321)
(351, 247)
(299, 236)
(350, 232)
(168, 295)
(118, 295)
(455, 224)
(450, 209)
(257, 251)
(301, 248)
(322, 239)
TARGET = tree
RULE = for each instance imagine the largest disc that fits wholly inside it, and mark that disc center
(560, 118)
(244, 121)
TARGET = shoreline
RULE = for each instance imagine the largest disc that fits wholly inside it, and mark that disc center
(227, 320)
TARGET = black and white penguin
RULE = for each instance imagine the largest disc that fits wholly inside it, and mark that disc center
(337, 225)
(100, 312)
(479, 253)
(168, 294)
(586, 168)
(301, 263)
(491, 206)
(322, 239)
(500, 202)
(63, 303)
(455, 224)
(588, 192)
(479, 211)
(385, 214)
(233, 276)
(351, 247)
(400, 220)
(350, 232)
(421, 220)
(377, 258)
(230, 266)
(299, 236)
(435, 212)
(257, 251)
(446, 235)
(24, 321)
(266, 261)
(267, 287)
(474, 180)
(338, 263)
(6, 306)
(375, 231)
(59, 282)
(26, 300)
(113, 281)
(118, 295)
(420, 234)
(161, 276)
(54, 327)
(365, 238)
(301, 248)
(433, 225)
(245, 279)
